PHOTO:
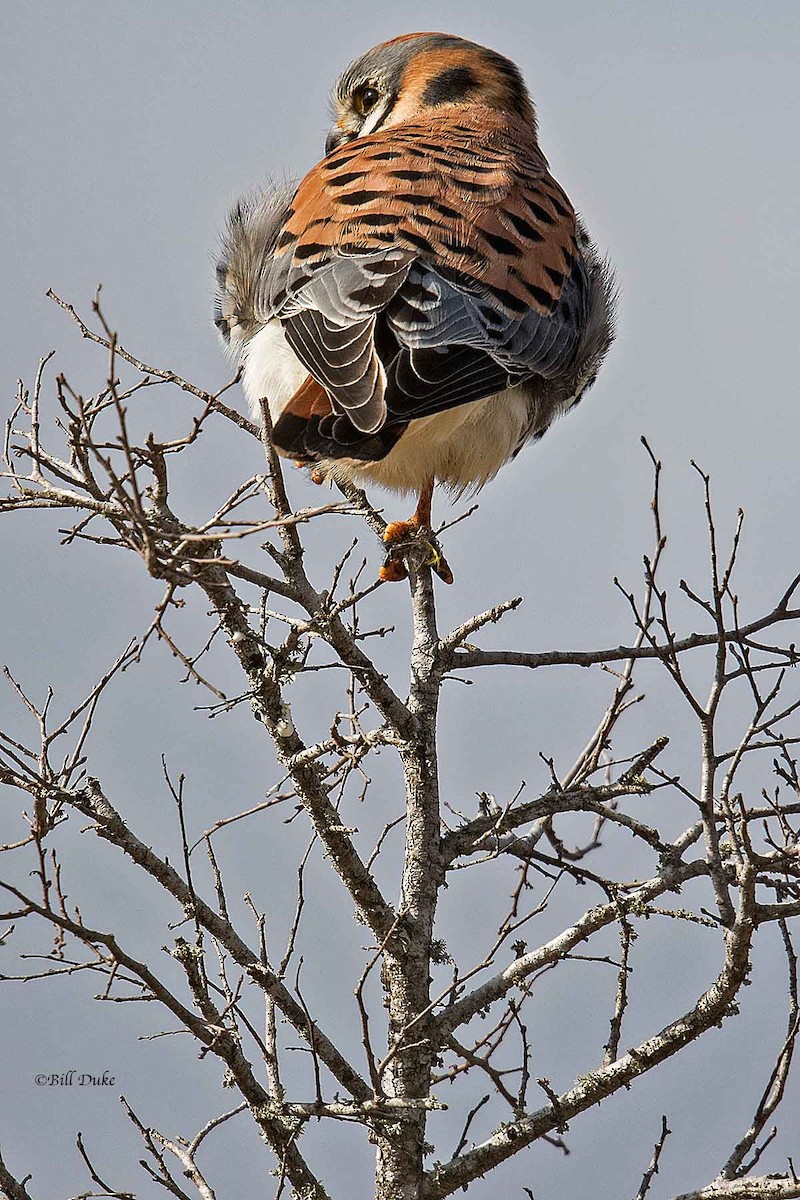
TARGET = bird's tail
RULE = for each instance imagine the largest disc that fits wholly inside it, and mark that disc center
(243, 268)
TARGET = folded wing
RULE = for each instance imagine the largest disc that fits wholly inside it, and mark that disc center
(414, 273)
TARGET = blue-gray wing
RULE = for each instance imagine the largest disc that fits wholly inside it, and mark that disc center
(418, 269)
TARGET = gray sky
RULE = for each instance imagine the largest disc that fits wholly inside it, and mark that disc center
(127, 129)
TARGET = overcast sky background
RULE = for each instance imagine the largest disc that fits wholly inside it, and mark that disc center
(127, 129)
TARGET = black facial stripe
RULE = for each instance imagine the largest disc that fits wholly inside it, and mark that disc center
(387, 63)
(454, 84)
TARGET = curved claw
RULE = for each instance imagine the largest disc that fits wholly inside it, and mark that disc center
(439, 563)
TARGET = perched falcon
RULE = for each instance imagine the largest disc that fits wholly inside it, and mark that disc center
(426, 301)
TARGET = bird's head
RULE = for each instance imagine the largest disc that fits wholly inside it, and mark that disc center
(402, 79)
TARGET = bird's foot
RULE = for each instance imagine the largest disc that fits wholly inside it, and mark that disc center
(392, 570)
(398, 536)
(400, 531)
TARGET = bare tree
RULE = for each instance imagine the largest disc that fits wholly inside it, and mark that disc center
(415, 1049)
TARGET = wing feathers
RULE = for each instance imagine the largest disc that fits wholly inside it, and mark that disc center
(425, 266)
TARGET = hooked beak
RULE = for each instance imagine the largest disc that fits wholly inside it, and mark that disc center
(335, 138)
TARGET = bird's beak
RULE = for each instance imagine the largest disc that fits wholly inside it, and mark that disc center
(335, 138)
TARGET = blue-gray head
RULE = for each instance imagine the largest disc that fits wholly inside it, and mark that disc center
(409, 75)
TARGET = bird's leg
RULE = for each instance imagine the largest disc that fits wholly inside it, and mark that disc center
(397, 532)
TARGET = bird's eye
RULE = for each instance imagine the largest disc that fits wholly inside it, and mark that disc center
(365, 99)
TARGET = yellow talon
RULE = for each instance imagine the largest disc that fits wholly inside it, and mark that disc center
(434, 558)
(439, 563)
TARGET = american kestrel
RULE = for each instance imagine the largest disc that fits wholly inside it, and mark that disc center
(426, 301)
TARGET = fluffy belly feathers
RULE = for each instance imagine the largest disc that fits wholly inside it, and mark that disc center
(461, 448)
